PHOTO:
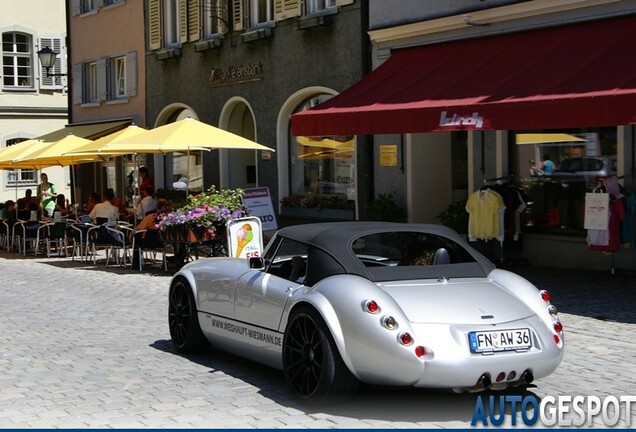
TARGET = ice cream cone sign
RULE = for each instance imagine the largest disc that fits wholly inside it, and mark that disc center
(246, 238)
(243, 236)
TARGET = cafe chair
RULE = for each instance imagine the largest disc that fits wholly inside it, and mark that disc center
(147, 247)
(27, 232)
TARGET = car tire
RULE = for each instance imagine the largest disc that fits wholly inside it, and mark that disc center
(312, 365)
(183, 320)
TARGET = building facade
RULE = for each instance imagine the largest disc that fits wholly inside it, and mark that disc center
(473, 92)
(108, 90)
(246, 66)
(31, 103)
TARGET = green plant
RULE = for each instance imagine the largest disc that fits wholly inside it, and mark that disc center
(384, 208)
(455, 216)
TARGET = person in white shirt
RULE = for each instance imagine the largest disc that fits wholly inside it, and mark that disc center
(147, 203)
(105, 209)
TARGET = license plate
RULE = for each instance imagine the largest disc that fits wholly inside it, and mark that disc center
(499, 340)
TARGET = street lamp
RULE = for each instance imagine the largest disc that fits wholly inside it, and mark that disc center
(47, 58)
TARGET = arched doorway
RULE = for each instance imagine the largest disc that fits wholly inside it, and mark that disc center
(238, 168)
(178, 170)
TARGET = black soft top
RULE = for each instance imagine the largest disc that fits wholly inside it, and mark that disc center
(331, 252)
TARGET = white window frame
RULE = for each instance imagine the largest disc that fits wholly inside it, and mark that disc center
(119, 74)
(20, 177)
(314, 6)
(21, 73)
(211, 19)
(90, 82)
(261, 12)
(170, 22)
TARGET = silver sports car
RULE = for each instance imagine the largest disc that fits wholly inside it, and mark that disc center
(335, 304)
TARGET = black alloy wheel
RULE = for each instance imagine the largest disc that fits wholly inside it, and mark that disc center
(183, 321)
(311, 362)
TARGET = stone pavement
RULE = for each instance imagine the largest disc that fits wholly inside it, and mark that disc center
(89, 347)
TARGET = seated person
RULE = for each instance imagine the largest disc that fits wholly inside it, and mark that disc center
(299, 269)
(416, 254)
(28, 199)
(149, 238)
(147, 203)
(61, 205)
(8, 212)
(92, 201)
(119, 203)
(104, 211)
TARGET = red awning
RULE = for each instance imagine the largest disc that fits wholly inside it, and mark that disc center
(581, 75)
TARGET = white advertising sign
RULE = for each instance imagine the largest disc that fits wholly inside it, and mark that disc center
(245, 237)
(259, 202)
(596, 211)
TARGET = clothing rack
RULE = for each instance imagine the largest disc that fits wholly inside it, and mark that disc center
(613, 270)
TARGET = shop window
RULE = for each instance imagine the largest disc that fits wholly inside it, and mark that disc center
(323, 167)
(557, 168)
(17, 60)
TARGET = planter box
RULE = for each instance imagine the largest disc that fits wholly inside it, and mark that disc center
(189, 233)
(310, 213)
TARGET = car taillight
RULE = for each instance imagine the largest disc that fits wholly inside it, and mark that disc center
(557, 340)
(420, 351)
(558, 327)
(371, 306)
(545, 295)
(405, 338)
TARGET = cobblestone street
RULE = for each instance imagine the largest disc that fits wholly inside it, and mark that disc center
(89, 347)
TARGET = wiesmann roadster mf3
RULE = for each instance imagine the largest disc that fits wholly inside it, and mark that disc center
(335, 304)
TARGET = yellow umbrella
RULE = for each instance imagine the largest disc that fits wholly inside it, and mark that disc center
(546, 138)
(102, 146)
(324, 142)
(183, 136)
(54, 153)
(9, 154)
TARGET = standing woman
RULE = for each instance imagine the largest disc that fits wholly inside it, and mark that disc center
(46, 195)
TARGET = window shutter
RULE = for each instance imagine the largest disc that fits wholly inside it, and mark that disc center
(344, 2)
(54, 82)
(98, 4)
(101, 80)
(154, 25)
(183, 21)
(193, 20)
(284, 9)
(238, 15)
(77, 76)
(131, 73)
(75, 7)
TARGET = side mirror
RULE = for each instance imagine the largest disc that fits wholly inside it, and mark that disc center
(256, 263)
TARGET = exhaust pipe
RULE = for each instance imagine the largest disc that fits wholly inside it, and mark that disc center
(527, 377)
(485, 381)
